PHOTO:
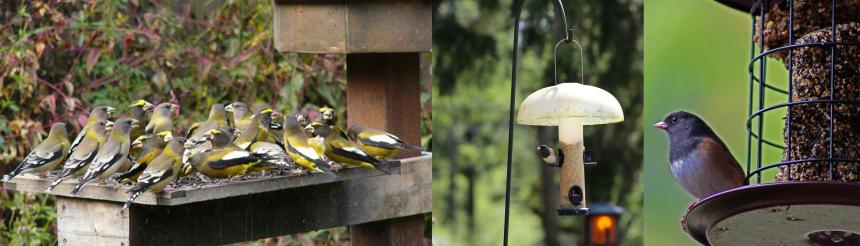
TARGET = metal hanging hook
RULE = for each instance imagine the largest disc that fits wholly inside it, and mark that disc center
(568, 39)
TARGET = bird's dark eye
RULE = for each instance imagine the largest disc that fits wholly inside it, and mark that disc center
(674, 119)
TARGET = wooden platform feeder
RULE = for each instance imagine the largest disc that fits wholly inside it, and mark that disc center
(383, 42)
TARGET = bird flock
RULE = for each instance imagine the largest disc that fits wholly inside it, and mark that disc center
(141, 148)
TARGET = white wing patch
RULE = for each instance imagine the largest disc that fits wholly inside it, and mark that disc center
(355, 150)
(308, 152)
(236, 155)
(383, 138)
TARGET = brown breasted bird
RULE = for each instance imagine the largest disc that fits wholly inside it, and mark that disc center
(700, 162)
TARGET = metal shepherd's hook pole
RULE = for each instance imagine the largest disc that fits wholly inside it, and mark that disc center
(568, 37)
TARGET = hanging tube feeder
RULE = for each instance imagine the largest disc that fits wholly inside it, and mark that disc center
(570, 106)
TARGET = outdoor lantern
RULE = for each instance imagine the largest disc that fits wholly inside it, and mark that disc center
(602, 225)
(570, 106)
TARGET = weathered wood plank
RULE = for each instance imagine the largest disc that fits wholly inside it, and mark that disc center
(90, 222)
(287, 211)
(366, 26)
(108, 192)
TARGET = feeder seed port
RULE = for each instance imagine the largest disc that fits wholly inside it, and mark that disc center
(556, 158)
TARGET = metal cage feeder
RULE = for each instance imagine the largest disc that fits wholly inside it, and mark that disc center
(815, 198)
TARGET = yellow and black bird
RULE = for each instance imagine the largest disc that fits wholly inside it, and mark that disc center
(241, 114)
(98, 114)
(257, 131)
(138, 110)
(163, 170)
(377, 143)
(112, 156)
(274, 152)
(297, 147)
(162, 119)
(195, 142)
(330, 119)
(225, 159)
(47, 155)
(217, 120)
(78, 162)
(151, 147)
(341, 150)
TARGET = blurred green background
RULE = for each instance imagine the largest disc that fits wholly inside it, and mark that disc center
(58, 59)
(471, 85)
(696, 58)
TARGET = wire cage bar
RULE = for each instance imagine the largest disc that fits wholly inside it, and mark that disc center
(760, 88)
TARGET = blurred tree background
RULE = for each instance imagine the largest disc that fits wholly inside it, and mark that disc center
(472, 71)
(59, 58)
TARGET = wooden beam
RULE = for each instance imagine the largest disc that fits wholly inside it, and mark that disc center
(109, 192)
(253, 216)
(366, 26)
(383, 92)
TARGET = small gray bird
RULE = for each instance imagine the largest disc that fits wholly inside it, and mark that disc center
(112, 156)
(47, 155)
(700, 162)
(78, 162)
(98, 114)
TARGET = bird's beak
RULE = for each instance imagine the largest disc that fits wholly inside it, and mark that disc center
(229, 108)
(111, 111)
(309, 129)
(168, 137)
(661, 125)
(148, 106)
(174, 109)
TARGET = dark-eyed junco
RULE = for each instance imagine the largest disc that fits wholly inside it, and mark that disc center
(698, 159)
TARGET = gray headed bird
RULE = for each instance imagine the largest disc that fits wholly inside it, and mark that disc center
(241, 114)
(98, 114)
(162, 171)
(162, 119)
(112, 156)
(78, 162)
(47, 155)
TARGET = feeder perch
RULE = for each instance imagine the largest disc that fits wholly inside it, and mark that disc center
(570, 106)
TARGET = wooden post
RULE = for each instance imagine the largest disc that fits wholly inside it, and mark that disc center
(383, 92)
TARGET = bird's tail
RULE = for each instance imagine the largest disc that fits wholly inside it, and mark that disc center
(323, 166)
(386, 163)
(410, 146)
(14, 173)
(65, 174)
(135, 191)
(83, 182)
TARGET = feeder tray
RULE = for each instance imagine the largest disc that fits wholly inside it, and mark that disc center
(781, 213)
